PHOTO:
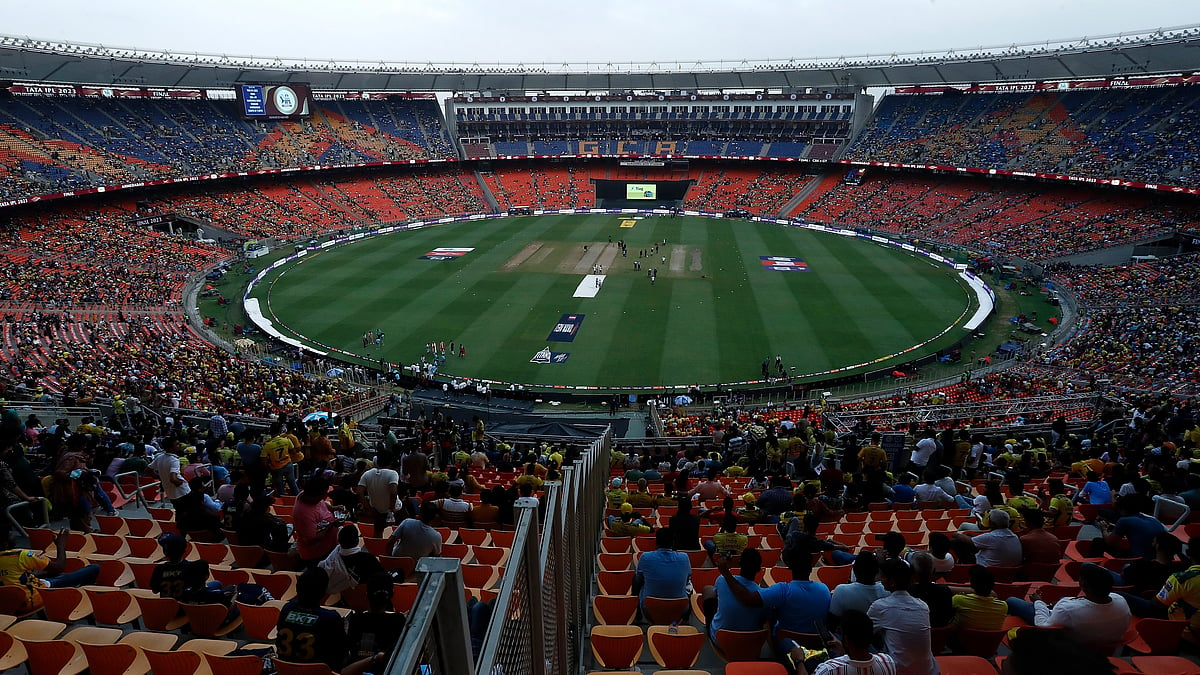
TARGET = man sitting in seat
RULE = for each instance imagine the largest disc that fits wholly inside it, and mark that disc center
(721, 608)
(1100, 617)
(349, 564)
(310, 633)
(414, 538)
(33, 570)
(979, 610)
(183, 580)
(663, 572)
(629, 524)
(858, 631)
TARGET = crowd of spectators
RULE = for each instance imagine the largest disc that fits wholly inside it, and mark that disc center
(1139, 134)
(156, 358)
(1013, 383)
(967, 559)
(762, 192)
(1140, 325)
(67, 143)
(296, 490)
(1176, 279)
(1030, 222)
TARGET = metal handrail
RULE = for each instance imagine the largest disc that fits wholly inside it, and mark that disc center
(13, 519)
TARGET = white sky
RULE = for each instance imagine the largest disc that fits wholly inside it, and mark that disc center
(511, 31)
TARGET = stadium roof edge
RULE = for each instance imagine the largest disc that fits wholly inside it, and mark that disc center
(1136, 53)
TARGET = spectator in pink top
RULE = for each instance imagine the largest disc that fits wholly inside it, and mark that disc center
(315, 526)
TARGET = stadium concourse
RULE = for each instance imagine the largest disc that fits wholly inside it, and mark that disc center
(95, 331)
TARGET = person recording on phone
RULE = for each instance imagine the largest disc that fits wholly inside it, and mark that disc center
(854, 649)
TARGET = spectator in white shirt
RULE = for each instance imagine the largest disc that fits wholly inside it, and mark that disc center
(904, 621)
(1100, 617)
(922, 453)
(999, 547)
(928, 492)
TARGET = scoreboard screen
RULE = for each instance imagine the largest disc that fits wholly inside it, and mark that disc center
(274, 101)
(641, 191)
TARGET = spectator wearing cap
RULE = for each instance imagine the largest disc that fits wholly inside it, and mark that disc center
(749, 512)
(183, 580)
(616, 495)
(629, 523)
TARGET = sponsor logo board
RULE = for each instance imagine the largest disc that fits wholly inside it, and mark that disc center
(566, 328)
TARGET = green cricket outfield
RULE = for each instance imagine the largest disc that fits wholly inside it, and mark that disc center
(713, 313)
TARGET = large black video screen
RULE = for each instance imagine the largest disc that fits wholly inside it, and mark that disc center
(274, 101)
(645, 192)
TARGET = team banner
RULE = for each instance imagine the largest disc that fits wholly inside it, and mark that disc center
(446, 253)
(781, 264)
(566, 328)
(547, 356)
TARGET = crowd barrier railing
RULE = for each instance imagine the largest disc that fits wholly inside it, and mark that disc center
(539, 617)
(436, 638)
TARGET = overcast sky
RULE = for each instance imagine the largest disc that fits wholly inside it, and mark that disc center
(511, 31)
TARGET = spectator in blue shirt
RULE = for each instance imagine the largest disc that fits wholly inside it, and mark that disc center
(663, 572)
(902, 491)
(1096, 491)
(1132, 536)
(722, 610)
(798, 605)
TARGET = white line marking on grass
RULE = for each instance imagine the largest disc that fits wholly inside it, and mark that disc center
(590, 286)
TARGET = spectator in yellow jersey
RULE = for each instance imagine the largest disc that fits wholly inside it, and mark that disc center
(32, 570)
(616, 495)
(749, 512)
(629, 523)
(1060, 509)
(872, 456)
(979, 609)
(728, 542)
(641, 497)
